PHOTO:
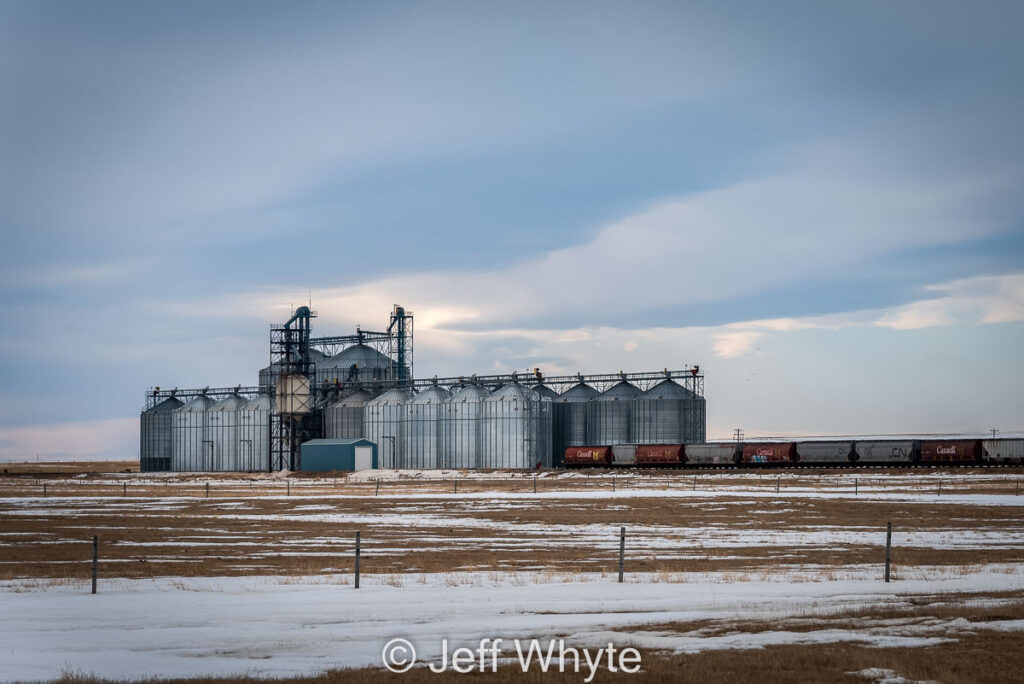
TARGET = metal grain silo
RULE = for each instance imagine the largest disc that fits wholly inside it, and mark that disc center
(515, 428)
(543, 391)
(569, 412)
(343, 419)
(384, 421)
(610, 415)
(422, 430)
(663, 415)
(254, 434)
(222, 431)
(191, 448)
(358, 363)
(460, 427)
(155, 436)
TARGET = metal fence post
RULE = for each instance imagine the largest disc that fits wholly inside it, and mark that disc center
(778, 481)
(95, 559)
(855, 492)
(378, 487)
(613, 483)
(357, 559)
(534, 484)
(207, 490)
(622, 551)
(289, 484)
(888, 546)
(124, 489)
(44, 489)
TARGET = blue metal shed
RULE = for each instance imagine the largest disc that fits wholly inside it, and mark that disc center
(320, 455)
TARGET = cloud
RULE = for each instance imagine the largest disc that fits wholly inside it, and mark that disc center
(732, 344)
(968, 301)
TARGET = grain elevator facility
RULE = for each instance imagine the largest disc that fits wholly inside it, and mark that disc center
(362, 387)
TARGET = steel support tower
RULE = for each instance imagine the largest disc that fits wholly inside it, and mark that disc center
(292, 419)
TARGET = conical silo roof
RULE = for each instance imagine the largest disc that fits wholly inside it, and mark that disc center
(579, 392)
(431, 395)
(232, 402)
(621, 390)
(260, 403)
(668, 389)
(513, 391)
(166, 406)
(359, 398)
(468, 393)
(393, 397)
(545, 391)
(357, 355)
(197, 404)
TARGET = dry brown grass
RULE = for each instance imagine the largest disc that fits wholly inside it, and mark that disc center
(154, 531)
(65, 468)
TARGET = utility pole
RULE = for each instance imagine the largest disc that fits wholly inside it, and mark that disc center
(994, 431)
(738, 434)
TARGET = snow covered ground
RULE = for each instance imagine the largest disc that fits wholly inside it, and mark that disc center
(275, 626)
(724, 548)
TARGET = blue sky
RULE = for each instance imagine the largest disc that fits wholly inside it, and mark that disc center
(819, 203)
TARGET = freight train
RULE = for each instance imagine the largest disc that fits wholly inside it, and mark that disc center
(812, 454)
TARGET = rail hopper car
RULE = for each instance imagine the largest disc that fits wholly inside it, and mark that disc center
(821, 453)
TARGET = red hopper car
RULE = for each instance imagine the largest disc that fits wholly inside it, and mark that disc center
(951, 451)
(770, 452)
(593, 457)
(660, 454)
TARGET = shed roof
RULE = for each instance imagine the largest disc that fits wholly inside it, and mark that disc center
(318, 442)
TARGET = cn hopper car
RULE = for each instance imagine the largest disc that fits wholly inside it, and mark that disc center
(811, 453)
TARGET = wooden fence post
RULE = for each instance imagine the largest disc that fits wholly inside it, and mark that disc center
(622, 551)
(124, 489)
(207, 490)
(95, 560)
(888, 546)
(357, 559)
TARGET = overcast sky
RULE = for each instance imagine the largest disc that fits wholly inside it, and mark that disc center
(819, 203)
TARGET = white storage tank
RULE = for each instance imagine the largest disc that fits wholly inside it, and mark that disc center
(155, 436)
(515, 428)
(343, 419)
(254, 434)
(611, 415)
(191, 448)
(222, 431)
(569, 416)
(461, 427)
(422, 433)
(663, 415)
(384, 422)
